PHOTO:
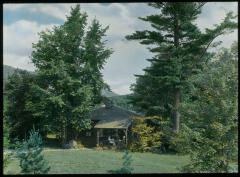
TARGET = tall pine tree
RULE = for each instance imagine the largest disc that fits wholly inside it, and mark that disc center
(180, 48)
(68, 61)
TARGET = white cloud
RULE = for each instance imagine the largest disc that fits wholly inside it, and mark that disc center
(18, 61)
(13, 7)
(122, 90)
(129, 57)
(17, 41)
(56, 10)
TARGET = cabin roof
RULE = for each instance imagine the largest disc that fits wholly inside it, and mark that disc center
(112, 117)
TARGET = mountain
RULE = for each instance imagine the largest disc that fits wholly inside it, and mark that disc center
(107, 93)
(122, 101)
(8, 71)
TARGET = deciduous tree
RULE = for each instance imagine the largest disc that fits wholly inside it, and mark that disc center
(68, 61)
(212, 116)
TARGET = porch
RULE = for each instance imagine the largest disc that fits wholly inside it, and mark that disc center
(113, 132)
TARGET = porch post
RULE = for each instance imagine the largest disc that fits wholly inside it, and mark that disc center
(116, 131)
(97, 136)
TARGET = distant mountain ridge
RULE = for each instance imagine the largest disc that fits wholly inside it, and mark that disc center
(107, 93)
(8, 71)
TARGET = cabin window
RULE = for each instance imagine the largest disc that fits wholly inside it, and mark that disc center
(88, 133)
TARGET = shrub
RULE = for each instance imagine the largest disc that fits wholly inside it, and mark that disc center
(181, 141)
(126, 166)
(6, 143)
(127, 160)
(80, 144)
(6, 159)
(145, 137)
(29, 154)
(99, 147)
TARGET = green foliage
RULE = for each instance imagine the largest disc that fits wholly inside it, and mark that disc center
(5, 131)
(7, 72)
(6, 159)
(69, 60)
(29, 154)
(6, 156)
(180, 50)
(181, 142)
(122, 101)
(212, 115)
(126, 165)
(127, 160)
(149, 134)
(18, 92)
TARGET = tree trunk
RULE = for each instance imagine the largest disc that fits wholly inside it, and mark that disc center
(97, 137)
(76, 136)
(176, 31)
(64, 134)
(176, 114)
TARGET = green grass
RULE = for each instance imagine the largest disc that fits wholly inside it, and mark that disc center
(93, 161)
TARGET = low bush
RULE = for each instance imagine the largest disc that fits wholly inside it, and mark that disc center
(180, 142)
(79, 144)
(146, 135)
(6, 159)
(29, 154)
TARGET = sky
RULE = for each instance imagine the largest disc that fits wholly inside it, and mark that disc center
(23, 22)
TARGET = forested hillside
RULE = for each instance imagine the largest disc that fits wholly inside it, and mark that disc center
(8, 71)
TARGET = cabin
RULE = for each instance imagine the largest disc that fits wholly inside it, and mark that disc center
(111, 126)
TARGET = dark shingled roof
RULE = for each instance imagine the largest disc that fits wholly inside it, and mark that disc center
(112, 117)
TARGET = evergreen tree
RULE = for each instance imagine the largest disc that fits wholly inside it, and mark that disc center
(29, 154)
(18, 117)
(6, 156)
(127, 160)
(68, 61)
(181, 50)
(212, 116)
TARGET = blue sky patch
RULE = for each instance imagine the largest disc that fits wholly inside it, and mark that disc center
(10, 17)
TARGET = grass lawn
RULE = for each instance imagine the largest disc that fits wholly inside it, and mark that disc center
(92, 161)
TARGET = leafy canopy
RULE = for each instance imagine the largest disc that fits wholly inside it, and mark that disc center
(69, 60)
(212, 115)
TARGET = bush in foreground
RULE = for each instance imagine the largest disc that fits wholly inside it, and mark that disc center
(29, 154)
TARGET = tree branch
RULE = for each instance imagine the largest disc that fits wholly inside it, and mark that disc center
(205, 50)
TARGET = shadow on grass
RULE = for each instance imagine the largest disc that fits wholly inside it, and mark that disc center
(114, 171)
(52, 143)
(119, 171)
